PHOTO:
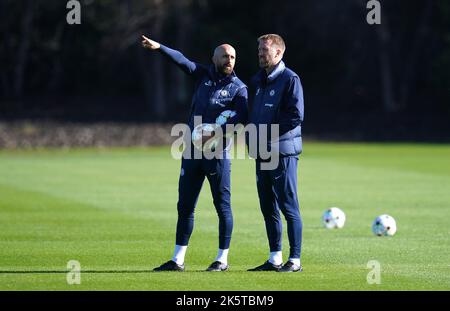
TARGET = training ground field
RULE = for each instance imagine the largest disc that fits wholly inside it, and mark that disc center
(114, 211)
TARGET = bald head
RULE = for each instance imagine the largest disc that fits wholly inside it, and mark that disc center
(224, 48)
(224, 58)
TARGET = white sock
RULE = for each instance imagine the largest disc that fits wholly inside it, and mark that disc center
(179, 253)
(222, 256)
(276, 258)
(295, 261)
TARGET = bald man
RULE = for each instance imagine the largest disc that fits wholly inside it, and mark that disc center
(217, 88)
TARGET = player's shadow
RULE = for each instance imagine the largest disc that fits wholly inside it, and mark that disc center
(66, 271)
(91, 271)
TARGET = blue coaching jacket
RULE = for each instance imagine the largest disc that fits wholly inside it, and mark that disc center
(278, 99)
(214, 92)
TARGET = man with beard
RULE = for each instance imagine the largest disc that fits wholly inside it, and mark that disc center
(278, 101)
(217, 89)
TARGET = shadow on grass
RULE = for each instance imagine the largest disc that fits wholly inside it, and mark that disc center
(97, 271)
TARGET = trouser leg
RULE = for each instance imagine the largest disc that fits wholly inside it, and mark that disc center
(189, 186)
(269, 208)
(218, 172)
(285, 187)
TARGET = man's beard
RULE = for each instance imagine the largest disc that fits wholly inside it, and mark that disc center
(225, 69)
(263, 63)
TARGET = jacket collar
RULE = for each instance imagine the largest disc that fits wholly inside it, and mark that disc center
(219, 77)
(276, 72)
(264, 78)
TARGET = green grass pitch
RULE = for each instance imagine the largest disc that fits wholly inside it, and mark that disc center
(114, 211)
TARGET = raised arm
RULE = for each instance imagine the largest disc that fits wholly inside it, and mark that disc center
(175, 56)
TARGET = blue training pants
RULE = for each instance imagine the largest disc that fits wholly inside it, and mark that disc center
(277, 190)
(193, 172)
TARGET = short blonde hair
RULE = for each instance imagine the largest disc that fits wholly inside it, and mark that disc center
(276, 40)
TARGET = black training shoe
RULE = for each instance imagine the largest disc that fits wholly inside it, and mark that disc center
(267, 266)
(170, 266)
(217, 266)
(291, 267)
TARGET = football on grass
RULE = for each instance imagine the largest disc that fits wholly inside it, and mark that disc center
(333, 218)
(384, 225)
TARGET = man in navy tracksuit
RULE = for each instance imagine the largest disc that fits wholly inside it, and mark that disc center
(278, 100)
(217, 89)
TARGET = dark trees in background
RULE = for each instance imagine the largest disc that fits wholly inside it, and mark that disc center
(354, 74)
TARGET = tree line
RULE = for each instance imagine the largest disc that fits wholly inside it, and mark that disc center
(350, 70)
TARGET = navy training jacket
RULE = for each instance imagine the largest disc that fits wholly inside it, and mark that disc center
(278, 99)
(214, 92)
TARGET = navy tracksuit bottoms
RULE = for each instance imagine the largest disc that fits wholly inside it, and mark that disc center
(193, 173)
(277, 190)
